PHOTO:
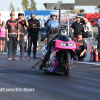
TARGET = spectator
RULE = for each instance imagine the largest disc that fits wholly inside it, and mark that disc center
(23, 17)
(34, 26)
(12, 34)
(86, 31)
(53, 26)
(81, 46)
(98, 23)
(78, 25)
(2, 36)
(22, 24)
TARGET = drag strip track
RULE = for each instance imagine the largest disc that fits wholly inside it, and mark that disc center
(83, 83)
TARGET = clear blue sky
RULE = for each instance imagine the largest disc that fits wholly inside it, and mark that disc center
(5, 5)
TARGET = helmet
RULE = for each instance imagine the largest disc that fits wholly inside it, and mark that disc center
(63, 32)
(62, 26)
(53, 14)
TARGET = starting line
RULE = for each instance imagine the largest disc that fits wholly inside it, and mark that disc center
(93, 63)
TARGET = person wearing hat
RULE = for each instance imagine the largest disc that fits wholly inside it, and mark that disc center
(33, 28)
(52, 30)
(22, 24)
(77, 26)
(53, 26)
(81, 46)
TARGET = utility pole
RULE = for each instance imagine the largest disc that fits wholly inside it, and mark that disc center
(59, 6)
(68, 22)
(59, 2)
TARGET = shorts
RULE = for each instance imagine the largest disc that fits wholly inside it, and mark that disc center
(2, 38)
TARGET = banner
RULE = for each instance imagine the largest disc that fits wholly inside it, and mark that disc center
(5, 15)
(64, 18)
(44, 15)
(93, 17)
(41, 15)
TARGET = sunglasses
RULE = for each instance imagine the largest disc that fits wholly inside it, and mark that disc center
(12, 14)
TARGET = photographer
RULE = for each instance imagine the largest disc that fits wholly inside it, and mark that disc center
(21, 24)
(34, 26)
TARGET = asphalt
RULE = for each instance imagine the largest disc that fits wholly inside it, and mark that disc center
(83, 83)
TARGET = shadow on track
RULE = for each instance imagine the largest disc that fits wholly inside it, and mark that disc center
(30, 72)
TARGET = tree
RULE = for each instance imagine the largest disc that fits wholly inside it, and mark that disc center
(98, 8)
(18, 9)
(76, 11)
(32, 5)
(12, 7)
(25, 4)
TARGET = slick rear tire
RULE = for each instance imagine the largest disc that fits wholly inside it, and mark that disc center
(67, 64)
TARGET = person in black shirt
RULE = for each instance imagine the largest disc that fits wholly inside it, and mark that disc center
(77, 26)
(81, 46)
(34, 26)
(12, 34)
(22, 24)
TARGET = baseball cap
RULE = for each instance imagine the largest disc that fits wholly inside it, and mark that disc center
(79, 33)
(32, 15)
(53, 14)
(20, 14)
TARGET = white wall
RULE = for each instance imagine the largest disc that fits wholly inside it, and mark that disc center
(5, 15)
(87, 58)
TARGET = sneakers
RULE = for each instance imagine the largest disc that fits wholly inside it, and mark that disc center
(37, 49)
(1, 52)
(80, 59)
(41, 67)
(15, 58)
(28, 57)
(22, 58)
(9, 59)
(34, 57)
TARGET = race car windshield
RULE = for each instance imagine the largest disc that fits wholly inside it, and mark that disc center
(63, 38)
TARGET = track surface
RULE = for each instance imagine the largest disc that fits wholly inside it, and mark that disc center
(83, 83)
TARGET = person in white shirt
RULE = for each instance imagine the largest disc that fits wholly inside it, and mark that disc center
(86, 31)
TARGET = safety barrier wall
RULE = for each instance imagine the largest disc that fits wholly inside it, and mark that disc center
(87, 58)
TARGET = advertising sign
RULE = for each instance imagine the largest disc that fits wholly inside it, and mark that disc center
(64, 18)
(41, 15)
(93, 17)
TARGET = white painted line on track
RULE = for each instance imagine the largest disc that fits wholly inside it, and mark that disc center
(93, 63)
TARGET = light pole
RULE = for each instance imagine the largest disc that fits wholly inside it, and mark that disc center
(59, 2)
(68, 22)
(59, 6)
